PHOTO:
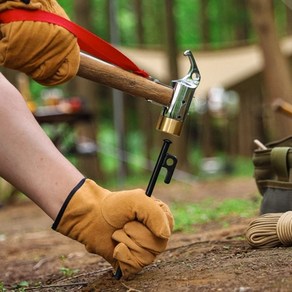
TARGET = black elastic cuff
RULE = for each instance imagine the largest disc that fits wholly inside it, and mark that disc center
(63, 208)
(25, 1)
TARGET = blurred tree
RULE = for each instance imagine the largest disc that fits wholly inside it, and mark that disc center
(276, 70)
(154, 23)
(147, 121)
(181, 145)
(171, 40)
(204, 24)
(241, 21)
(86, 89)
(118, 99)
(140, 35)
(289, 19)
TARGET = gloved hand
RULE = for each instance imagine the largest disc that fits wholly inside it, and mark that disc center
(128, 229)
(46, 52)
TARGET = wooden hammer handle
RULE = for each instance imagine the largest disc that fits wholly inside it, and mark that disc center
(115, 77)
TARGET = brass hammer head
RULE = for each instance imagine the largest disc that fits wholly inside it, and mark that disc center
(173, 116)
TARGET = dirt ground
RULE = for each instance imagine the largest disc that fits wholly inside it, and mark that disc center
(214, 258)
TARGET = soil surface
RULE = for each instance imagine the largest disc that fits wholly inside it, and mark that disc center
(214, 258)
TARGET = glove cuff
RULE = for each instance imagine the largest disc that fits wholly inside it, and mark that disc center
(63, 208)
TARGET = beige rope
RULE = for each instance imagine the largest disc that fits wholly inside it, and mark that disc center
(270, 230)
(284, 228)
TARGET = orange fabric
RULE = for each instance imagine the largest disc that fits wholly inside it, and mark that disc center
(46, 52)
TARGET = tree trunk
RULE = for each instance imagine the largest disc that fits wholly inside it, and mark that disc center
(242, 24)
(139, 22)
(119, 108)
(87, 90)
(276, 71)
(171, 41)
(289, 19)
(180, 145)
(204, 23)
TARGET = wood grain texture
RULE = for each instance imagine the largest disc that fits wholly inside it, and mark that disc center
(115, 77)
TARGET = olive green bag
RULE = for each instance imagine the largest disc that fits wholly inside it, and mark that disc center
(273, 175)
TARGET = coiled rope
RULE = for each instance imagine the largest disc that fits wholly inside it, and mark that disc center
(270, 230)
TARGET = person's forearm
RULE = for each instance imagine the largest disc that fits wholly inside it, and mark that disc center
(28, 159)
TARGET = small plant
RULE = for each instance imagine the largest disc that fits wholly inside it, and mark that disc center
(68, 272)
(21, 286)
(2, 288)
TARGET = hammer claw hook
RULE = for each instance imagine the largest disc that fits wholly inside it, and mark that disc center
(193, 68)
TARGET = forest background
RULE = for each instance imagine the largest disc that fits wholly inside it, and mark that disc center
(127, 143)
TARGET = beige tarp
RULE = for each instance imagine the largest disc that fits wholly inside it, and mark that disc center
(218, 68)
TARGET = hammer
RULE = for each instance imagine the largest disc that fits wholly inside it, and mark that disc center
(175, 101)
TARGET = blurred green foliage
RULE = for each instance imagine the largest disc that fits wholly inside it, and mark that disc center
(224, 19)
(188, 215)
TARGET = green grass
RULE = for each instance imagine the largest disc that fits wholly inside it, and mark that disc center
(188, 215)
(2, 288)
(68, 272)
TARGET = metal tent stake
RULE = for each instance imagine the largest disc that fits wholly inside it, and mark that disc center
(167, 161)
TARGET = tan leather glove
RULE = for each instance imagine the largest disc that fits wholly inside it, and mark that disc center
(128, 229)
(46, 52)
